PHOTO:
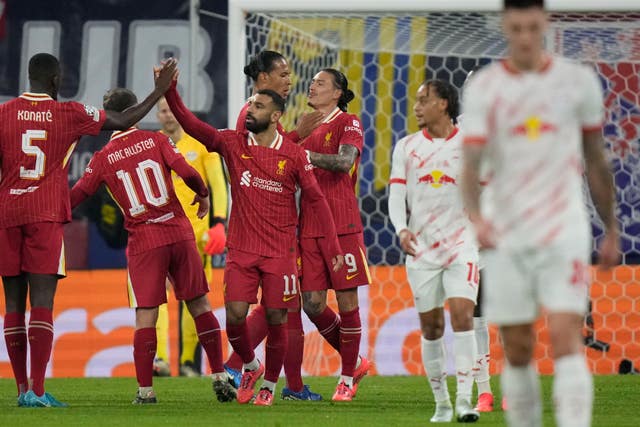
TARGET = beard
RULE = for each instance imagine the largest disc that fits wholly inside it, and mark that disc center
(256, 126)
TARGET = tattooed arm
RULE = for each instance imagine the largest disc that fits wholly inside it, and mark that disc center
(341, 162)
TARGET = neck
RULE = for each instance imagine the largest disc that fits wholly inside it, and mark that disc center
(266, 137)
(176, 135)
(326, 109)
(532, 63)
(441, 129)
(38, 88)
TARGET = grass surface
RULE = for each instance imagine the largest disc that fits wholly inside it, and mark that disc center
(381, 401)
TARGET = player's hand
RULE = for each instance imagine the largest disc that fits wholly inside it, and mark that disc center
(308, 122)
(216, 240)
(407, 240)
(337, 262)
(203, 205)
(485, 233)
(609, 251)
(165, 75)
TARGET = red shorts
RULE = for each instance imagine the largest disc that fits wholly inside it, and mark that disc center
(32, 248)
(245, 272)
(180, 262)
(316, 261)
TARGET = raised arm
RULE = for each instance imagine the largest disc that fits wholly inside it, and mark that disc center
(602, 191)
(206, 134)
(132, 115)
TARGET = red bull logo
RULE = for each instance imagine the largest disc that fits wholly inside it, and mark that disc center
(437, 178)
(533, 127)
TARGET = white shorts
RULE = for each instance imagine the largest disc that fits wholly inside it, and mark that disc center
(517, 283)
(432, 286)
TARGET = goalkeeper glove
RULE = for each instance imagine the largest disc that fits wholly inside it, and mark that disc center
(215, 240)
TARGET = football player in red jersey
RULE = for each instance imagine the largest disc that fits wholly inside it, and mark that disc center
(37, 139)
(136, 167)
(334, 149)
(270, 70)
(265, 170)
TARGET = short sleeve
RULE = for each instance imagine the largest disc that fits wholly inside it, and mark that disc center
(591, 108)
(398, 168)
(475, 112)
(87, 119)
(352, 133)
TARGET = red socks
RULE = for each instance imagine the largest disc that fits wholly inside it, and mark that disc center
(257, 326)
(40, 341)
(328, 324)
(144, 350)
(350, 333)
(238, 336)
(277, 338)
(208, 329)
(15, 337)
(295, 349)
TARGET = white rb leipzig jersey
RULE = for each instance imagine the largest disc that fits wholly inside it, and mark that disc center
(532, 124)
(429, 170)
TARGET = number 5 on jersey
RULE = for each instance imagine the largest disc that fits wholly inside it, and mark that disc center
(144, 178)
(32, 150)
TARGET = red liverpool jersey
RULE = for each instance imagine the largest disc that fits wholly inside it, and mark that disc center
(136, 167)
(263, 180)
(339, 128)
(37, 137)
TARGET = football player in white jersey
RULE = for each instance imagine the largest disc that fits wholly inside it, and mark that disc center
(537, 121)
(442, 255)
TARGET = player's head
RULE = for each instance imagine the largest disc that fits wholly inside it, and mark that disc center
(330, 88)
(165, 117)
(265, 109)
(269, 70)
(118, 99)
(44, 74)
(436, 100)
(524, 25)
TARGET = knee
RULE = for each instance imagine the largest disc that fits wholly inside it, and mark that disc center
(313, 304)
(519, 351)
(276, 316)
(462, 321)
(433, 330)
(198, 306)
(235, 316)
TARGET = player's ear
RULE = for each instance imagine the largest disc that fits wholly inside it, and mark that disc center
(275, 116)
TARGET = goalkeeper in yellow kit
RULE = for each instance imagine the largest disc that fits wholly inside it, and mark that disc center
(210, 237)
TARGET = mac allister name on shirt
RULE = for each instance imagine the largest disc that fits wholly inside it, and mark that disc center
(137, 148)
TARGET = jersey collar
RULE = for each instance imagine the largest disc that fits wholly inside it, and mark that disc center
(275, 144)
(36, 96)
(546, 64)
(332, 115)
(120, 133)
(453, 133)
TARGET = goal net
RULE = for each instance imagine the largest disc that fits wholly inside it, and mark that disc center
(386, 56)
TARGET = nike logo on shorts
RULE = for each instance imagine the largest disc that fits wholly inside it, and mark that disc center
(351, 276)
(288, 298)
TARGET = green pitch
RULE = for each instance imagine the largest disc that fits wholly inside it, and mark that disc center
(381, 401)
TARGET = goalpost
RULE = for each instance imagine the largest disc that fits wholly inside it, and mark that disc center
(386, 49)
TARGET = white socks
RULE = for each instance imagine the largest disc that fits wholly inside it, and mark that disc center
(433, 359)
(572, 391)
(464, 349)
(481, 365)
(521, 387)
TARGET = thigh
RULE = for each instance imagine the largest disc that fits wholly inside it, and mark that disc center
(241, 277)
(147, 274)
(280, 287)
(314, 268)
(509, 296)
(563, 284)
(11, 249)
(356, 269)
(461, 279)
(43, 248)
(187, 271)
(426, 286)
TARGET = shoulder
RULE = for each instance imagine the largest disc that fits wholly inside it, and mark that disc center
(350, 122)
